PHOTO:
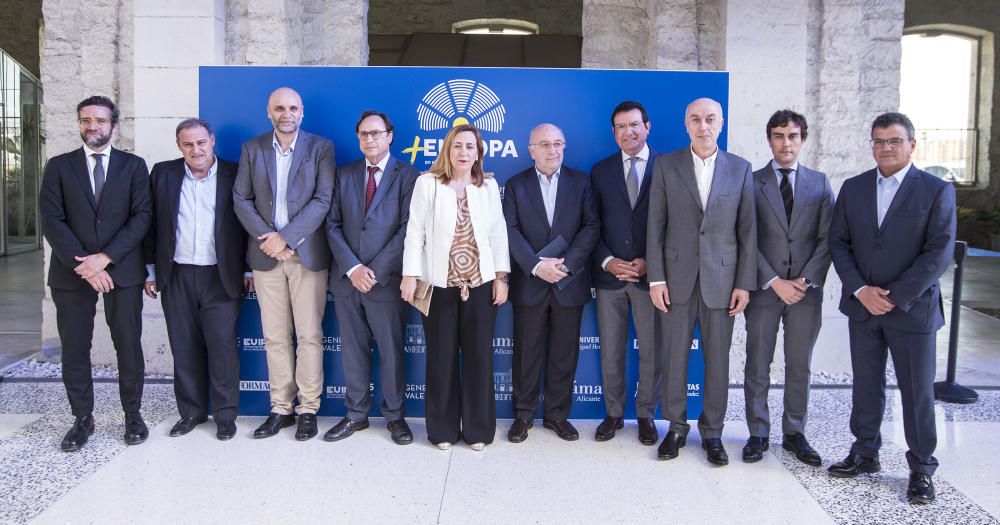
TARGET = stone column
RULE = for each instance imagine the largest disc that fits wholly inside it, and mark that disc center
(616, 34)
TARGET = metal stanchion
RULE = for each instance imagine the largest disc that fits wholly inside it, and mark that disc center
(948, 390)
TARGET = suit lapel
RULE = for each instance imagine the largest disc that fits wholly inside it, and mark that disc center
(223, 198)
(80, 168)
(685, 170)
(803, 192)
(535, 196)
(870, 199)
(388, 178)
(720, 179)
(112, 179)
(773, 196)
(647, 177)
(267, 149)
(359, 177)
(175, 181)
(298, 154)
(619, 174)
(909, 182)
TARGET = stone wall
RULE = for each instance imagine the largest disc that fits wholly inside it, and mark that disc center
(404, 17)
(20, 27)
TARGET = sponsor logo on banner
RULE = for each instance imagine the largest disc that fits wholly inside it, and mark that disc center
(590, 342)
(586, 392)
(694, 389)
(414, 391)
(252, 344)
(503, 346)
(331, 343)
(255, 386)
(452, 103)
(503, 384)
(696, 344)
(336, 391)
(413, 340)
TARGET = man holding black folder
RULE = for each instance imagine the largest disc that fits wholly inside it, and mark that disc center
(552, 227)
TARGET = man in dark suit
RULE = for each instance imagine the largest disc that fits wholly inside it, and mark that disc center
(95, 210)
(282, 195)
(195, 257)
(541, 204)
(621, 192)
(891, 238)
(365, 229)
(701, 247)
(794, 205)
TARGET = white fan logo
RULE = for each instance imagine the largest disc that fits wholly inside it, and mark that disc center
(461, 101)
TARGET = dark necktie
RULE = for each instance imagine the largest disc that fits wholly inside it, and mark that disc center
(98, 176)
(370, 190)
(632, 182)
(786, 192)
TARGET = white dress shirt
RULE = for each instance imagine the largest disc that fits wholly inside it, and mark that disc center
(91, 162)
(704, 172)
(550, 188)
(283, 162)
(885, 190)
(195, 231)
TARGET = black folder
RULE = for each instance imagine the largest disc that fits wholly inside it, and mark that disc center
(555, 250)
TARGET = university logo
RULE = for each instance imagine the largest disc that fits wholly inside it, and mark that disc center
(503, 385)
(414, 341)
(453, 103)
(255, 386)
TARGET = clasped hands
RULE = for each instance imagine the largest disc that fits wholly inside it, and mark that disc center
(628, 271)
(875, 300)
(92, 268)
(275, 247)
(551, 269)
(660, 295)
(790, 291)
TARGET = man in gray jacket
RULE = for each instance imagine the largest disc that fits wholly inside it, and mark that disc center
(281, 195)
(794, 207)
(701, 248)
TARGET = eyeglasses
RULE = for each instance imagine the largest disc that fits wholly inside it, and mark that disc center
(635, 126)
(550, 145)
(374, 134)
(88, 121)
(892, 143)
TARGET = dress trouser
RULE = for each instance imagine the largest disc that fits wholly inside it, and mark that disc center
(75, 310)
(546, 334)
(292, 297)
(716, 338)
(913, 356)
(801, 323)
(201, 327)
(612, 320)
(460, 398)
(360, 320)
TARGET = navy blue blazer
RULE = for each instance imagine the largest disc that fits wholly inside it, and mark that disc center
(528, 231)
(623, 228)
(906, 255)
(374, 239)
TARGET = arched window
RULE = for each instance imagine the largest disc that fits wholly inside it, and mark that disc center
(946, 88)
(495, 26)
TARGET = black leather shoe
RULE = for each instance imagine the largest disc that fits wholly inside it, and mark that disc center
(307, 427)
(400, 432)
(78, 434)
(920, 489)
(606, 430)
(273, 424)
(753, 451)
(519, 430)
(344, 428)
(225, 430)
(804, 452)
(563, 428)
(853, 465)
(136, 430)
(185, 425)
(671, 445)
(716, 452)
(647, 431)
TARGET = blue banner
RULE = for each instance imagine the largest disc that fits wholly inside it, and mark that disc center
(423, 103)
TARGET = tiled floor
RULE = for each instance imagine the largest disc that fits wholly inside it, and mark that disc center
(368, 479)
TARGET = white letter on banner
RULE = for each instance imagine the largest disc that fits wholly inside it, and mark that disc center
(509, 150)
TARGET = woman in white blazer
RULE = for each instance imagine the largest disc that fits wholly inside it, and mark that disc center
(456, 239)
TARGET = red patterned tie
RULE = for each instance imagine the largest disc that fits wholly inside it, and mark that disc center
(370, 190)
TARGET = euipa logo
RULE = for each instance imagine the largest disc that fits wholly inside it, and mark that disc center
(453, 103)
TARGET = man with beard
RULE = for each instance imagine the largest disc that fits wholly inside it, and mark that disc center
(281, 195)
(95, 210)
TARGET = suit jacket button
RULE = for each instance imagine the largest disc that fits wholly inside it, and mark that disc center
(784, 263)
(703, 233)
(789, 241)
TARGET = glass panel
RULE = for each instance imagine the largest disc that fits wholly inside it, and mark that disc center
(20, 152)
(938, 80)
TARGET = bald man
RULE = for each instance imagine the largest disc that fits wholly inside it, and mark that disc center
(701, 247)
(282, 194)
(544, 205)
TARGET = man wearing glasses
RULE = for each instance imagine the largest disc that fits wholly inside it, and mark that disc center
(621, 193)
(552, 227)
(96, 210)
(365, 229)
(891, 238)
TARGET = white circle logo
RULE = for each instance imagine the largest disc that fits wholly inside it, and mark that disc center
(461, 101)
